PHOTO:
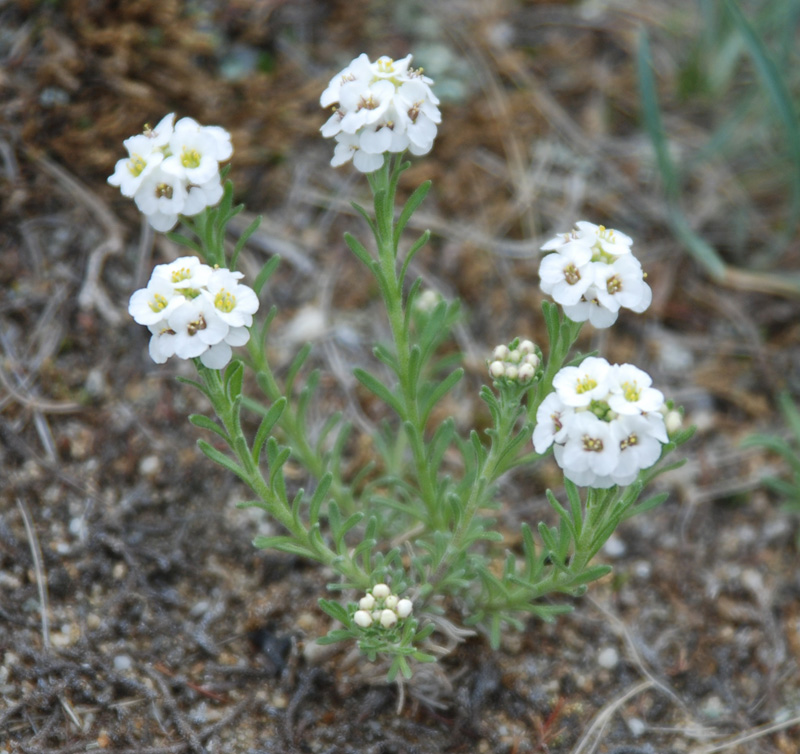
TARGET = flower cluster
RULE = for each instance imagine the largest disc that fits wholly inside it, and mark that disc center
(593, 274)
(380, 607)
(379, 107)
(517, 362)
(173, 170)
(606, 423)
(193, 310)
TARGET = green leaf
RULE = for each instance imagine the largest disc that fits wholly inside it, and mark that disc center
(410, 207)
(296, 366)
(283, 544)
(412, 252)
(182, 240)
(266, 273)
(204, 422)
(645, 505)
(365, 215)
(223, 460)
(267, 423)
(243, 239)
(442, 389)
(335, 610)
(234, 376)
(379, 390)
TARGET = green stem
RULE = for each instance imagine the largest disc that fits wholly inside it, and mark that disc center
(384, 185)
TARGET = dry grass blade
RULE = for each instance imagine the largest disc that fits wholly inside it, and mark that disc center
(92, 294)
(38, 566)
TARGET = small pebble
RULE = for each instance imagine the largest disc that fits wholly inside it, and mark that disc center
(636, 726)
(149, 465)
(122, 663)
(608, 658)
(614, 547)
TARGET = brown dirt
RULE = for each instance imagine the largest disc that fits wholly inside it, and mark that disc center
(166, 631)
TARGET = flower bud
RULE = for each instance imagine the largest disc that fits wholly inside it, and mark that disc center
(497, 369)
(381, 591)
(512, 373)
(367, 602)
(531, 359)
(527, 347)
(376, 615)
(526, 372)
(388, 618)
(362, 618)
(390, 602)
(404, 608)
(500, 353)
(673, 421)
(515, 356)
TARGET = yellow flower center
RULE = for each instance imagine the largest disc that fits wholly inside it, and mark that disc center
(631, 391)
(190, 158)
(225, 301)
(164, 189)
(136, 165)
(629, 442)
(614, 285)
(592, 444)
(159, 303)
(183, 273)
(585, 384)
(571, 274)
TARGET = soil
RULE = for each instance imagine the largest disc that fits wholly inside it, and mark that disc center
(136, 616)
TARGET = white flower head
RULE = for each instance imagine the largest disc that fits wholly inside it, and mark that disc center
(381, 107)
(362, 618)
(173, 169)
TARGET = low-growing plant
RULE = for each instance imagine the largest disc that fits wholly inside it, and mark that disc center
(413, 533)
(787, 487)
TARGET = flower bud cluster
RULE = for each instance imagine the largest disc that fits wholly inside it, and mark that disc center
(193, 310)
(173, 170)
(379, 107)
(516, 362)
(605, 421)
(593, 274)
(381, 608)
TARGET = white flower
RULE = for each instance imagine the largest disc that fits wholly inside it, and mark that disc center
(606, 423)
(592, 274)
(551, 420)
(380, 107)
(173, 170)
(567, 274)
(184, 273)
(631, 391)
(130, 172)
(606, 239)
(639, 449)
(196, 327)
(404, 608)
(579, 386)
(193, 311)
(235, 304)
(592, 446)
(362, 618)
(151, 305)
(621, 283)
